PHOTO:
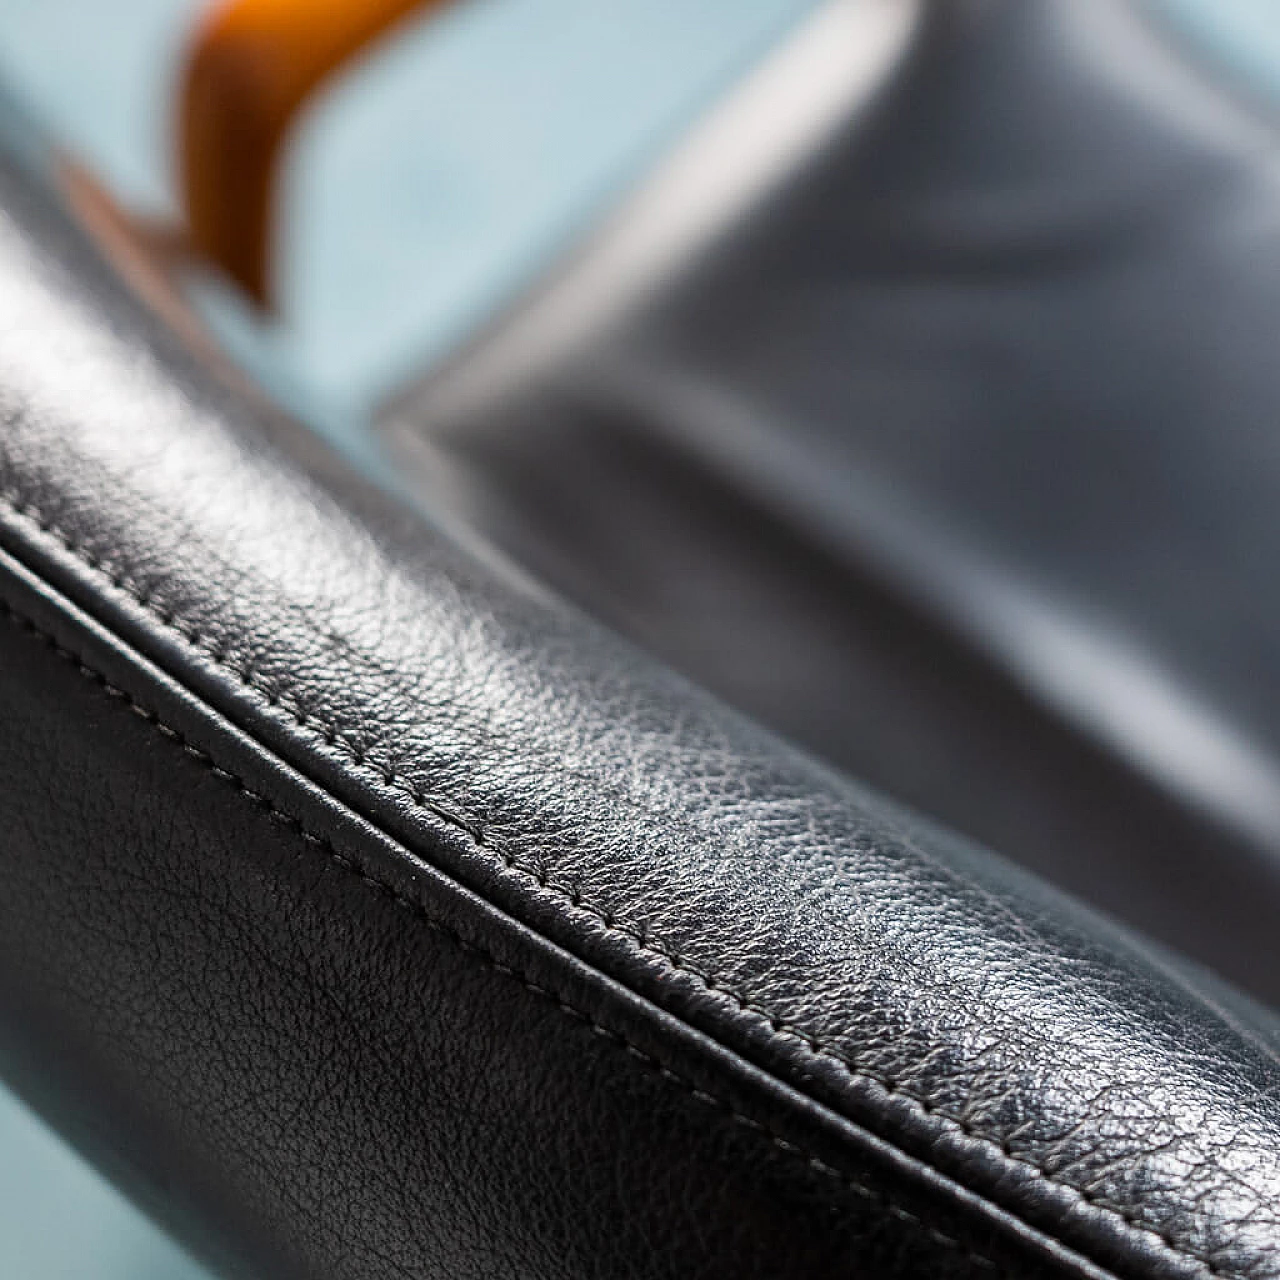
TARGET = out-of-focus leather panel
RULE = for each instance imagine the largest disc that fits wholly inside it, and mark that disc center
(953, 459)
(416, 926)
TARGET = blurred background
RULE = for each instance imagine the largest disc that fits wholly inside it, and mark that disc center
(424, 190)
(428, 183)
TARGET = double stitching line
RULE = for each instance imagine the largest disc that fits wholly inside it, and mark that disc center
(349, 865)
(385, 776)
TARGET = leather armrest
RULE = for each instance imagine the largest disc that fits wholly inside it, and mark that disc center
(390, 919)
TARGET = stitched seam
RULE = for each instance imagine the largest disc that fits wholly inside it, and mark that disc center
(350, 866)
(386, 777)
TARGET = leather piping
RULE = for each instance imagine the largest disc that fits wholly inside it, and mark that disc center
(352, 867)
(383, 777)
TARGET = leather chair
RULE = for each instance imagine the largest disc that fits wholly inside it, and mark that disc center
(371, 912)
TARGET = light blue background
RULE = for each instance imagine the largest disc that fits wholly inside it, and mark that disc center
(59, 1221)
(431, 181)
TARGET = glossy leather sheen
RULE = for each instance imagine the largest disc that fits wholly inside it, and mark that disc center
(380, 916)
(953, 458)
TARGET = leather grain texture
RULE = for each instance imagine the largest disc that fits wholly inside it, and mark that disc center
(393, 920)
(974, 412)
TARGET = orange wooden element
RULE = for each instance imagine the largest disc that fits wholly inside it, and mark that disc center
(253, 66)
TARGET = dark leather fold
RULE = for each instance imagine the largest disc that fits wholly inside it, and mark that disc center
(395, 920)
(952, 457)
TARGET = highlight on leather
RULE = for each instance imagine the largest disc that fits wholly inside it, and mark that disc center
(253, 66)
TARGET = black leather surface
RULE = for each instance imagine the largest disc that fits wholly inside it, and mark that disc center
(397, 922)
(956, 460)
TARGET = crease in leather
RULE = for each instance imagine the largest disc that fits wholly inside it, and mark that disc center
(382, 777)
